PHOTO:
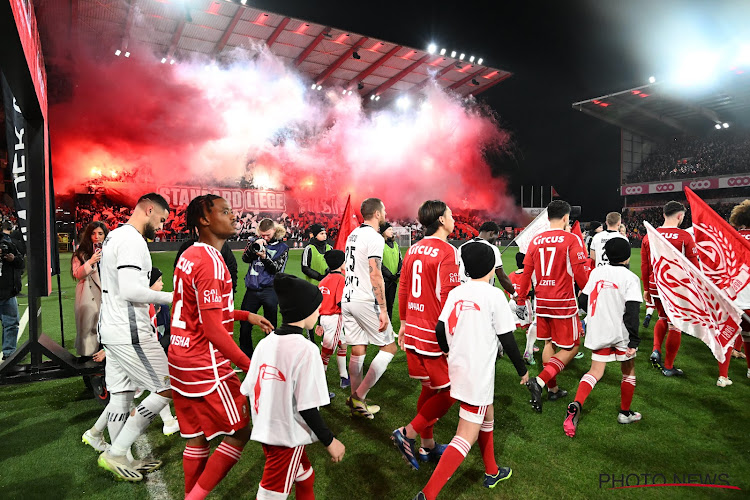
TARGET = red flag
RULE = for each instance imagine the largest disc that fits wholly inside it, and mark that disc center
(724, 253)
(554, 192)
(693, 303)
(349, 223)
(576, 229)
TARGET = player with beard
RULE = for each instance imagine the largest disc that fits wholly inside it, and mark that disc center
(207, 397)
(674, 214)
(135, 358)
(363, 307)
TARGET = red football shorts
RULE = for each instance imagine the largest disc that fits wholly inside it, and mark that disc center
(563, 332)
(284, 467)
(223, 411)
(432, 368)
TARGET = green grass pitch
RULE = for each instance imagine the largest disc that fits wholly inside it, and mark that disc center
(689, 426)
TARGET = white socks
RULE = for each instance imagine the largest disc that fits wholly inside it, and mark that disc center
(117, 412)
(356, 364)
(166, 414)
(137, 423)
(376, 370)
(530, 339)
(101, 423)
(341, 360)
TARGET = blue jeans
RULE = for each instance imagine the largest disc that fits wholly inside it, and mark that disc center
(9, 317)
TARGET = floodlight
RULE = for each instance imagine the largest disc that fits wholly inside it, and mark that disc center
(372, 97)
(651, 79)
(127, 54)
(320, 87)
(717, 126)
(431, 48)
(461, 57)
(313, 86)
(118, 52)
(163, 60)
(480, 61)
(349, 93)
(403, 102)
(343, 91)
(377, 97)
(699, 68)
(171, 62)
(471, 59)
(442, 52)
(453, 53)
(725, 125)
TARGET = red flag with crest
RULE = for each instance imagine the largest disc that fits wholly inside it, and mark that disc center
(693, 303)
(724, 253)
(349, 222)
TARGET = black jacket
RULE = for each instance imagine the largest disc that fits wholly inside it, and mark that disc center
(226, 252)
(10, 280)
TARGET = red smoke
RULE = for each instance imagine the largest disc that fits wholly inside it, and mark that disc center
(197, 123)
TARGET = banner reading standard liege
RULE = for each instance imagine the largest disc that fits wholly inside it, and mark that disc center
(15, 126)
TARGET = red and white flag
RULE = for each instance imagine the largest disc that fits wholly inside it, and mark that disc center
(693, 303)
(537, 226)
(349, 223)
(724, 253)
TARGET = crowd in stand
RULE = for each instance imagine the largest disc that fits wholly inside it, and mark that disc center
(634, 218)
(685, 157)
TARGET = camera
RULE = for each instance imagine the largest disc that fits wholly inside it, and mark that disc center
(4, 248)
(257, 246)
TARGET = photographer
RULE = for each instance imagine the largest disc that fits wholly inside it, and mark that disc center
(11, 269)
(267, 256)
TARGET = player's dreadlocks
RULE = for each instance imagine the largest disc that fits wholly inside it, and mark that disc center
(198, 207)
(740, 216)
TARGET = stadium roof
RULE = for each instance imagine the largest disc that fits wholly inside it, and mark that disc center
(658, 111)
(172, 30)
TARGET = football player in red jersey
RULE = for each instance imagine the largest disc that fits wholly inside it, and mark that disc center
(740, 219)
(556, 261)
(429, 272)
(674, 214)
(206, 390)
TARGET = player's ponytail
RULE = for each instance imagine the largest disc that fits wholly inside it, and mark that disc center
(198, 208)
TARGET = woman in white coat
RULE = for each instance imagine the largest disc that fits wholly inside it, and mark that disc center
(85, 268)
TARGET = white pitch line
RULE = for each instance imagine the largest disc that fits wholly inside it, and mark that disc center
(155, 485)
(22, 324)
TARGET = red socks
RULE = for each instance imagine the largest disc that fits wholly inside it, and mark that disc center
(627, 388)
(219, 464)
(551, 369)
(452, 457)
(724, 367)
(674, 337)
(487, 447)
(431, 410)
(194, 460)
(303, 490)
(585, 387)
(747, 354)
(325, 355)
(660, 330)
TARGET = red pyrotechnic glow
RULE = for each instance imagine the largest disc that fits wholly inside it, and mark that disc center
(197, 123)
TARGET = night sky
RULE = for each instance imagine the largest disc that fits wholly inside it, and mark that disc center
(560, 52)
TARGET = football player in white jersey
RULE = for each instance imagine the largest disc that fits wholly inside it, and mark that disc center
(597, 251)
(135, 358)
(363, 307)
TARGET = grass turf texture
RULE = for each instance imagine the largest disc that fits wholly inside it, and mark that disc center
(689, 426)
